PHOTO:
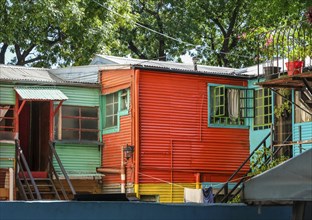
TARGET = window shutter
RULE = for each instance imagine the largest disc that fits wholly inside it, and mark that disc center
(246, 99)
(219, 101)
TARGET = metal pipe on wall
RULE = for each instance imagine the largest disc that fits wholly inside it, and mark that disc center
(137, 135)
(11, 182)
(122, 173)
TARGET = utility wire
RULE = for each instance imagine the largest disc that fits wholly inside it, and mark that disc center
(167, 36)
(143, 26)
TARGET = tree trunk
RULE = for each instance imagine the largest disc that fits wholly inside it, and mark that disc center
(2, 53)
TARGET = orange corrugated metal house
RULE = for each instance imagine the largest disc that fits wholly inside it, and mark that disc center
(167, 126)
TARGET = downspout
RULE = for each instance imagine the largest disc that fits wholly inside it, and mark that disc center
(51, 121)
(197, 177)
(122, 173)
(11, 182)
(16, 117)
(137, 135)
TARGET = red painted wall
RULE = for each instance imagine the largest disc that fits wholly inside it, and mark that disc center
(175, 140)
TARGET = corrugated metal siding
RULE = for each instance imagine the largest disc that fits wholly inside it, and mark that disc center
(113, 81)
(167, 192)
(174, 133)
(81, 96)
(78, 158)
(40, 93)
(7, 94)
(7, 151)
(113, 144)
(306, 134)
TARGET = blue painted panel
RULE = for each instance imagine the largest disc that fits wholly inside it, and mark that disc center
(256, 136)
(137, 210)
(306, 134)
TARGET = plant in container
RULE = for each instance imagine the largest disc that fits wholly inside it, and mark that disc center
(295, 64)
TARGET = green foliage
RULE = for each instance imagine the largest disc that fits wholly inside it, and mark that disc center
(218, 32)
(257, 164)
(236, 199)
(285, 108)
(49, 32)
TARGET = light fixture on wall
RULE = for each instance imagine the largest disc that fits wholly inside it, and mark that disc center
(128, 151)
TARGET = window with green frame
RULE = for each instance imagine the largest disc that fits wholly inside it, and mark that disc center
(230, 105)
(115, 105)
(263, 109)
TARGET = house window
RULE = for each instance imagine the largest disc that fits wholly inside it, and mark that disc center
(263, 109)
(111, 110)
(303, 114)
(77, 123)
(6, 122)
(229, 105)
(116, 105)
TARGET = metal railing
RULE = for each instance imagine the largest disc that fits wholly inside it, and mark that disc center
(265, 158)
(20, 175)
(228, 195)
(62, 169)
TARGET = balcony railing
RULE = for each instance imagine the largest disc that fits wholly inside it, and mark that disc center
(280, 47)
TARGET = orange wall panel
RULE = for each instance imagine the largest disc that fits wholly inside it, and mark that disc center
(115, 80)
(113, 144)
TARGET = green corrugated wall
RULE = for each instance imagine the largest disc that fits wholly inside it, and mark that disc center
(78, 158)
(81, 96)
(7, 155)
(7, 94)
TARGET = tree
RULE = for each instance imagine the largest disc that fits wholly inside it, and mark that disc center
(59, 32)
(215, 31)
(153, 35)
(49, 32)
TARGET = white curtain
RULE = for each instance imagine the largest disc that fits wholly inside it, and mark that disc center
(233, 102)
(3, 111)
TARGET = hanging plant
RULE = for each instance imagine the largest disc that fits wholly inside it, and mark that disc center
(284, 109)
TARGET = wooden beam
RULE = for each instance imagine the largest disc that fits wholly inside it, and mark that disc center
(58, 107)
(294, 142)
(21, 107)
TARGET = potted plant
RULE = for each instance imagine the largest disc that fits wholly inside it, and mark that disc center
(295, 64)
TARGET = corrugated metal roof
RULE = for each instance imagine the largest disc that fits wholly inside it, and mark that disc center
(81, 74)
(40, 93)
(19, 73)
(113, 60)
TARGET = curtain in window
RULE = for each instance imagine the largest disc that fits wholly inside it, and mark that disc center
(233, 102)
(3, 111)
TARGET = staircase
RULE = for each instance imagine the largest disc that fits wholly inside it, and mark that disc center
(306, 98)
(44, 185)
(38, 185)
(224, 194)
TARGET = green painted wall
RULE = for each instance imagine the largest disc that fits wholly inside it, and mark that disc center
(7, 94)
(81, 96)
(78, 159)
(7, 150)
